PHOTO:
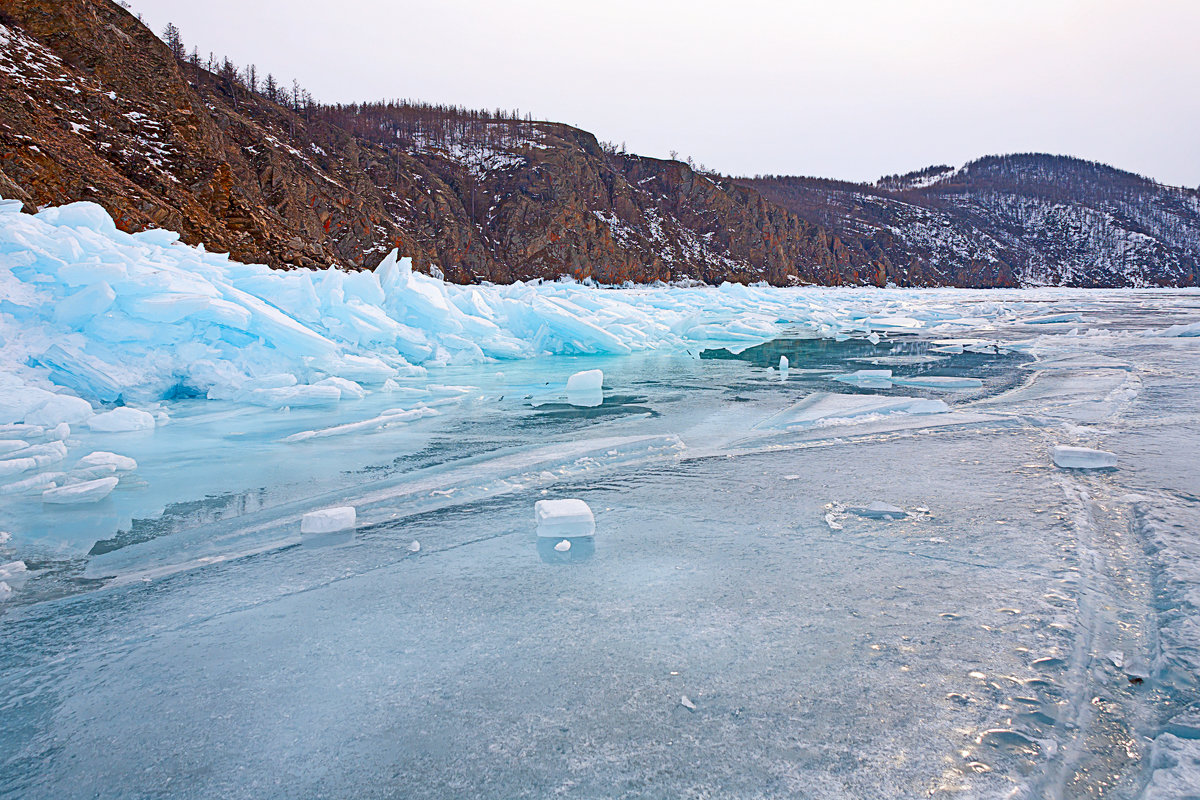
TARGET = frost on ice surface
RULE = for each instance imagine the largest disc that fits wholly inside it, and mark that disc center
(1083, 458)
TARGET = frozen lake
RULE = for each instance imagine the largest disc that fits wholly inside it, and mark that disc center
(744, 624)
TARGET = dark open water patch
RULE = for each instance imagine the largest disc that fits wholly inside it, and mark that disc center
(813, 363)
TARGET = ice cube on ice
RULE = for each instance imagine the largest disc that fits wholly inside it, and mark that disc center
(1083, 458)
(329, 520)
(564, 519)
(586, 389)
(587, 380)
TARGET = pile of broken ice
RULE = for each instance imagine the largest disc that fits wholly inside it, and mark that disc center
(98, 326)
(91, 316)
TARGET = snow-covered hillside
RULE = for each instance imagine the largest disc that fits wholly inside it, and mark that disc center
(1019, 220)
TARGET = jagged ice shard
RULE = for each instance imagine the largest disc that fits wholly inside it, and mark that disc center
(879, 586)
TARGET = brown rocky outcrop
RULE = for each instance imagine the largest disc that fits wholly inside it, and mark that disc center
(94, 107)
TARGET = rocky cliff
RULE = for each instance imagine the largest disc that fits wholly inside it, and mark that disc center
(94, 107)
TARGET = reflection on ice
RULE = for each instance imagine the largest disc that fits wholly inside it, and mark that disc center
(568, 550)
(331, 539)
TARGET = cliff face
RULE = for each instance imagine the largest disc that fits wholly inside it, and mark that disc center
(1016, 220)
(94, 107)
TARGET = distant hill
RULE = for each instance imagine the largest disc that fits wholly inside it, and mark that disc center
(94, 106)
(1029, 219)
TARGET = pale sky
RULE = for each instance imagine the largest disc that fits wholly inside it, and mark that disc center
(850, 89)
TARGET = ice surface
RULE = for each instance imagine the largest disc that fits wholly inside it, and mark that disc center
(563, 546)
(14, 574)
(828, 408)
(947, 383)
(80, 493)
(878, 510)
(1073, 362)
(36, 456)
(1083, 458)
(564, 518)
(867, 378)
(389, 418)
(328, 520)
(1053, 319)
(970, 634)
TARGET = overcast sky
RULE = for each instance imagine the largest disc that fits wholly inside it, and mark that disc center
(851, 89)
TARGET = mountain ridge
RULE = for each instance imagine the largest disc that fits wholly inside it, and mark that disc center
(94, 106)
(1032, 218)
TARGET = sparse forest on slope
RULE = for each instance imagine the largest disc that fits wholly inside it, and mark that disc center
(94, 106)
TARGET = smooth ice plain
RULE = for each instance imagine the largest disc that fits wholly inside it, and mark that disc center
(793, 583)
